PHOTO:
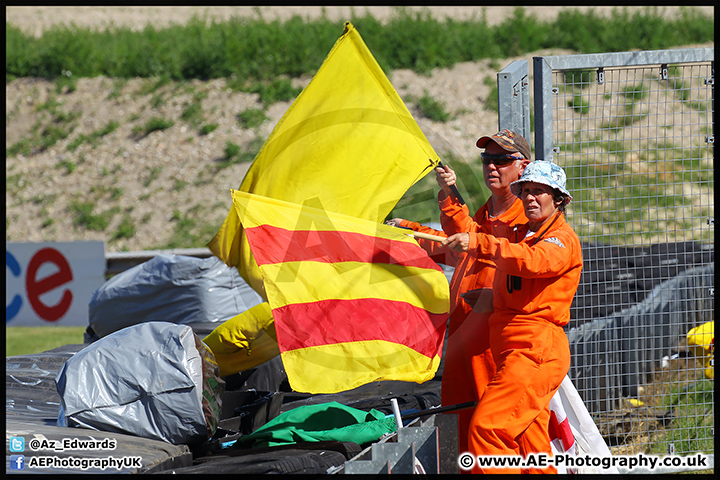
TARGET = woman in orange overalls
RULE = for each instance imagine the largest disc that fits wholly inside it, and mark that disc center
(533, 288)
(468, 360)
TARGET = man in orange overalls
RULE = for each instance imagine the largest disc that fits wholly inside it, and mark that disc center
(469, 364)
(533, 288)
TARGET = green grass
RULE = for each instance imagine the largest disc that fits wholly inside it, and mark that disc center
(255, 49)
(94, 137)
(635, 92)
(24, 340)
(111, 126)
(15, 184)
(126, 229)
(84, 216)
(579, 104)
(47, 133)
(22, 147)
(208, 128)
(251, 118)
(179, 185)
(152, 176)
(234, 153)
(419, 203)
(491, 102)
(693, 419)
(432, 109)
(68, 165)
(65, 83)
(269, 92)
(231, 150)
(581, 78)
(51, 135)
(192, 114)
(153, 125)
(190, 228)
(154, 84)
(622, 121)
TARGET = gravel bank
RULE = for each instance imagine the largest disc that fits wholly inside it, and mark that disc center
(171, 177)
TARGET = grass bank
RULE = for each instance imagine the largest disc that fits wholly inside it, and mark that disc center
(255, 49)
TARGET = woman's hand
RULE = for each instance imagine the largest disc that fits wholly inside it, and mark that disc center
(458, 242)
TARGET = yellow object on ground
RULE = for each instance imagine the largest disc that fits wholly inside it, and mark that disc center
(245, 341)
(701, 340)
(635, 402)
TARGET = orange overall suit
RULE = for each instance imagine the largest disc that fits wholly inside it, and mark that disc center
(534, 285)
(469, 365)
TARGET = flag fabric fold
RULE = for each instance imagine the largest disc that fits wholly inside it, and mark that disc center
(347, 144)
(573, 431)
(354, 301)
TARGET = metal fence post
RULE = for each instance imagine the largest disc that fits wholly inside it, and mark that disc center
(514, 98)
(543, 109)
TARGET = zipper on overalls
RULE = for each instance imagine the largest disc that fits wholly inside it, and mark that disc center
(512, 282)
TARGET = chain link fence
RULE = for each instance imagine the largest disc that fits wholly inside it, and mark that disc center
(635, 134)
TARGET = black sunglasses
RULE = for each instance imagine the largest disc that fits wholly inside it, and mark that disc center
(499, 160)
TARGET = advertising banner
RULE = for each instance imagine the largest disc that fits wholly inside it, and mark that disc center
(51, 283)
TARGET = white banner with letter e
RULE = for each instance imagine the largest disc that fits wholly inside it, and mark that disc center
(51, 283)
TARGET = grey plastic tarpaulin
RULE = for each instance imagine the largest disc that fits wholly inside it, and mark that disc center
(170, 288)
(154, 380)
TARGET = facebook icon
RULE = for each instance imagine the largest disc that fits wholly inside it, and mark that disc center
(17, 462)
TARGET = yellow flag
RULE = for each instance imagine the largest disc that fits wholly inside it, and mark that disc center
(348, 144)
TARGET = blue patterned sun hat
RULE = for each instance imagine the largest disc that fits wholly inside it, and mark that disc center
(547, 173)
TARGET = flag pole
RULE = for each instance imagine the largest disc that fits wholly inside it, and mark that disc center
(453, 187)
(427, 236)
(433, 410)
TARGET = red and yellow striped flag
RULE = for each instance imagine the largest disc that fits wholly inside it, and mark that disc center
(354, 301)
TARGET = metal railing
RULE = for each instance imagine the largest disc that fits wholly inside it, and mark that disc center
(120, 261)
